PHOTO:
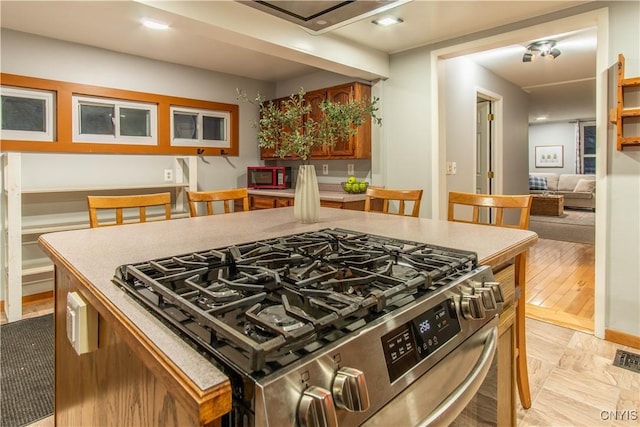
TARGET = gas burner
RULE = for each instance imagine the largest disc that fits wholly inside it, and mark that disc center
(216, 299)
(277, 316)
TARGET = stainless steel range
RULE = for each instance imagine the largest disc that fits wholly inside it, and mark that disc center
(332, 327)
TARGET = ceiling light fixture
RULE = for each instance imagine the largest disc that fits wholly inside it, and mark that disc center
(544, 48)
(156, 25)
(385, 21)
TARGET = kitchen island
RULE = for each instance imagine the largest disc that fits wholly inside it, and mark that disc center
(144, 374)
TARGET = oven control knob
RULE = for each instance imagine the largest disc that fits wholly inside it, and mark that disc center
(488, 298)
(497, 290)
(316, 408)
(472, 307)
(350, 390)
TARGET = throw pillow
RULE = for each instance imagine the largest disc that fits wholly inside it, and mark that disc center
(537, 182)
(585, 186)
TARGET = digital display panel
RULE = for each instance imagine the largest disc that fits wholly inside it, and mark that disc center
(407, 345)
(435, 327)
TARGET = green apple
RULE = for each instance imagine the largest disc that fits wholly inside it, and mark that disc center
(352, 179)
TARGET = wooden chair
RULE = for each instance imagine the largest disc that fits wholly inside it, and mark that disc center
(386, 195)
(498, 204)
(225, 196)
(119, 203)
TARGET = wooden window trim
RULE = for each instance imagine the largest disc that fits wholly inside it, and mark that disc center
(63, 140)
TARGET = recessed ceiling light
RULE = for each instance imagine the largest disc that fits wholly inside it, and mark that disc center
(385, 21)
(156, 25)
(542, 118)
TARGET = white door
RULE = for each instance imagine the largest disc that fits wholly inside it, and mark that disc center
(484, 149)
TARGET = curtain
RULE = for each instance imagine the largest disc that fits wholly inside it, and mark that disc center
(578, 146)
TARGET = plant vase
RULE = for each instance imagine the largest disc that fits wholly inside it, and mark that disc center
(306, 202)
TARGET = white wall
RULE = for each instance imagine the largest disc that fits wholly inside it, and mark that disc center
(34, 56)
(623, 187)
(405, 146)
(463, 78)
(557, 133)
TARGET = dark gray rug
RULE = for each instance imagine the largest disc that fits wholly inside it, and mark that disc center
(26, 371)
(573, 226)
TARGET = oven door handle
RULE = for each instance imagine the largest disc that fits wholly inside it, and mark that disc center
(455, 403)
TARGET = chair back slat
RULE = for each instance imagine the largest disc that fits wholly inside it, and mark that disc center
(209, 197)
(498, 203)
(387, 195)
(120, 203)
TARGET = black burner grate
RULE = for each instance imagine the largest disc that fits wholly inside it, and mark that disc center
(627, 360)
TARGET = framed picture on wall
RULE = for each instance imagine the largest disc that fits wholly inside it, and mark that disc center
(549, 156)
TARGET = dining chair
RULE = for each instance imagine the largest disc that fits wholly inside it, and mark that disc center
(389, 195)
(120, 203)
(498, 204)
(209, 197)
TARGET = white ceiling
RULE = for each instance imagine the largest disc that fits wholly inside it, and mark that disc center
(229, 37)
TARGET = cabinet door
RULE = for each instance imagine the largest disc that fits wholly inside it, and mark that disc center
(269, 202)
(269, 153)
(283, 202)
(261, 202)
(342, 94)
(314, 99)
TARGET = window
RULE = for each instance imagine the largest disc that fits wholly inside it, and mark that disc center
(588, 147)
(78, 118)
(113, 121)
(27, 115)
(199, 128)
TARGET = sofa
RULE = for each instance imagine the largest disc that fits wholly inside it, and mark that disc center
(579, 191)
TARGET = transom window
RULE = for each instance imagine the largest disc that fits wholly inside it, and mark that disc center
(113, 121)
(27, 115)
(199, 128)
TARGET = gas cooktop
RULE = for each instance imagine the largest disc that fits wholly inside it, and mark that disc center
(262, 305)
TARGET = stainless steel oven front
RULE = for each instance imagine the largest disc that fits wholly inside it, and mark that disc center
(461, 390)
(431, 363)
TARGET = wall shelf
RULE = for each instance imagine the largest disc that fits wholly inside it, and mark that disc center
(29, 212)
(626, 115)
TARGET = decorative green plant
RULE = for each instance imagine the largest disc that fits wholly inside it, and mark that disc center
(290, 130)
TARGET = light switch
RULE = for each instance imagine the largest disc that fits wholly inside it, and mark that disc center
(82, 324)
(451, 168)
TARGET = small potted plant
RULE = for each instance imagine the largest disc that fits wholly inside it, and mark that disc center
(289, 129)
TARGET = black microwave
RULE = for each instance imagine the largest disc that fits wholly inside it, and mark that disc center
(274, 177)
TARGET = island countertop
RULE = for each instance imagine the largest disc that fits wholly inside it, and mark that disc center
(92, 256)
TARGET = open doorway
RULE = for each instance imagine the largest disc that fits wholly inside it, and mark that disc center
(593, 19)
(484, 144)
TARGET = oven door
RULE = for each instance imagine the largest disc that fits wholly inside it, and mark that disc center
(460, 390)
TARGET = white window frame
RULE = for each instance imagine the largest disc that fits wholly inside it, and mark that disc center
(152, 139)
(25, 135)
(582, 154)
(200, 141)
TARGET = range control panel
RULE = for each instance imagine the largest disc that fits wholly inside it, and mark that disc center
(407, 345)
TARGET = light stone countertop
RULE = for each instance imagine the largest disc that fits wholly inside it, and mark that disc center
(93, 255)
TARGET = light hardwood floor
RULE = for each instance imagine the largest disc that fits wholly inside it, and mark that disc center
(561, 283)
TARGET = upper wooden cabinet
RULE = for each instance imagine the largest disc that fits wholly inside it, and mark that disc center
(356, 147)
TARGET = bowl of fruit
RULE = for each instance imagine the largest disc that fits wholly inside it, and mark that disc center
(354, 186)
